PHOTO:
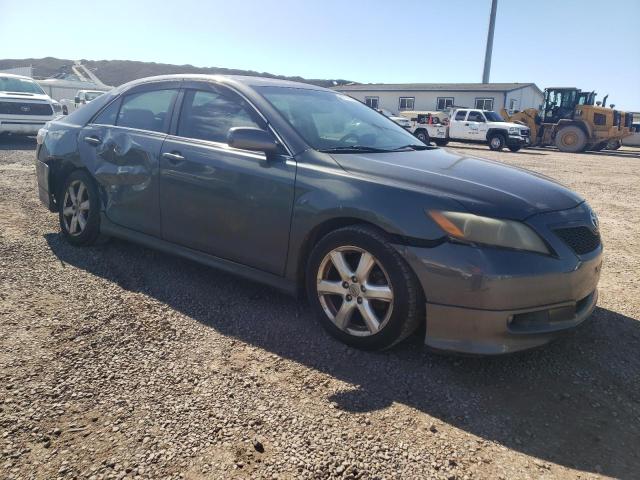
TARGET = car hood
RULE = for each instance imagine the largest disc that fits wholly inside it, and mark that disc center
(24, 96)
(505, 125)
(483, 187)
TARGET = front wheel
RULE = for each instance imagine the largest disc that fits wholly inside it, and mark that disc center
(497, 142)
(515, 148)
(363, 291)
(79, 209)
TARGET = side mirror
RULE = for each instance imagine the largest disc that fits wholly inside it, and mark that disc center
(254, 139)
(76, 99)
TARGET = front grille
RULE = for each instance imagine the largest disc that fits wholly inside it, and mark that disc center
(581, 240)
(24, 108)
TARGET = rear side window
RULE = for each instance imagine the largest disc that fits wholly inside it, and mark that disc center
(147, 110)
(208, 115)
(461, 114)
(108, 115)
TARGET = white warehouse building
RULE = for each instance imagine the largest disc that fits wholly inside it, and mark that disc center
(441, 96)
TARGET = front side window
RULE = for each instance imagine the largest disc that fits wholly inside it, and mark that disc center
(406, 103)
(461, 115)
(19, 85)
(444, 103)
(484, 103)
(475, 117)
(108, 115)
(147, 110)
(372, 102)
(329, 120)
(493, 116)
(209, 115)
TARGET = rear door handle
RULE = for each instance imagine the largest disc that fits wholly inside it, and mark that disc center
(173, 157)
(92, 140)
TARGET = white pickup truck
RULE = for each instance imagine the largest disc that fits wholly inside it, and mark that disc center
(470, 125)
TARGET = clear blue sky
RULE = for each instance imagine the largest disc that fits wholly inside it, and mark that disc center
(590, 44)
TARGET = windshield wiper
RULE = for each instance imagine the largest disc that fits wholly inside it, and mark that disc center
(354, 148)
(412, 146)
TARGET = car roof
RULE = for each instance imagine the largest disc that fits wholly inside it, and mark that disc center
(246, 80)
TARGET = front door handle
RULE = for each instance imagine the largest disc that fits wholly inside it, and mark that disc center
(93, 140)
(173, 157)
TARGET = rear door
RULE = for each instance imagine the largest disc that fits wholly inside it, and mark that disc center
(231, 203)
(121, 148)
(457, 127)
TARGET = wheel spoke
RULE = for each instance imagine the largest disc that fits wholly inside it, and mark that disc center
(327, 287)
(74, 223)
(343, 317)
(81, 221)
(67, 211)
(80, 193)
(369, 316)
(379, 292)
(84, 205)
(366, 263)
(341, 265)
(72, 194)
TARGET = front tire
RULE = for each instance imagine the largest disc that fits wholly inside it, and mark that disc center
(571, 139)
(79, 209)
(363, 291)
(515, 148)
(497, 142)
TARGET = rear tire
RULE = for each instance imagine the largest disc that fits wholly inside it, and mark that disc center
(571, 139)
(389, 307)
(497, 142)
(423, 136)
(79, 209)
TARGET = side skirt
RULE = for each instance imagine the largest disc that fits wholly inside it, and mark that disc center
(280, 283)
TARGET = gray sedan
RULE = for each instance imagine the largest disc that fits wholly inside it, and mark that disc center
(311, 191)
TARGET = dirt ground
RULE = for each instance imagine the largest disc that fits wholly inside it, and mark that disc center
(117, 361)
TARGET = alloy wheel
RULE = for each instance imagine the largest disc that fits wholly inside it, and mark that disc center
(355, 291)
(75, 208)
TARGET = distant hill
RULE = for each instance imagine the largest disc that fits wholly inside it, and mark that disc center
(117, 72)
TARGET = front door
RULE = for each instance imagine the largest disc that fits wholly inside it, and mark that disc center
(121, 148)
(230, 203)
(476, 126)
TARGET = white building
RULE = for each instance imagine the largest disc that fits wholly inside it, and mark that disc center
(440, 96)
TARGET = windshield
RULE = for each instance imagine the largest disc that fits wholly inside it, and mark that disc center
(493, 116)
(92, 95)
(328, 120)
(19, 85)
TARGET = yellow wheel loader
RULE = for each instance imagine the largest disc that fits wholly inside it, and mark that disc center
(569, 120)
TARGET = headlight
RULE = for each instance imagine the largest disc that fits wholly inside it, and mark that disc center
(57, 107)
(514, 131)
(489, 231)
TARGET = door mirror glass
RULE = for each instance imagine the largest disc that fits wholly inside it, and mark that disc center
(256, 139)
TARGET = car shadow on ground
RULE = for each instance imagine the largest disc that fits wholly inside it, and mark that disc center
(575, 402)
(13, 142)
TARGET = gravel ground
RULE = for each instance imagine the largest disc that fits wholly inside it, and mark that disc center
(121, 362)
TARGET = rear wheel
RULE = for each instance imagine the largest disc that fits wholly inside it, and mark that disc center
(423, 136)
(571, 139)
(79, 209)
(363, 291)
(497, 142)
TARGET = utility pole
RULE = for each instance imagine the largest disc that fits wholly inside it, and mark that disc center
(487, 54)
